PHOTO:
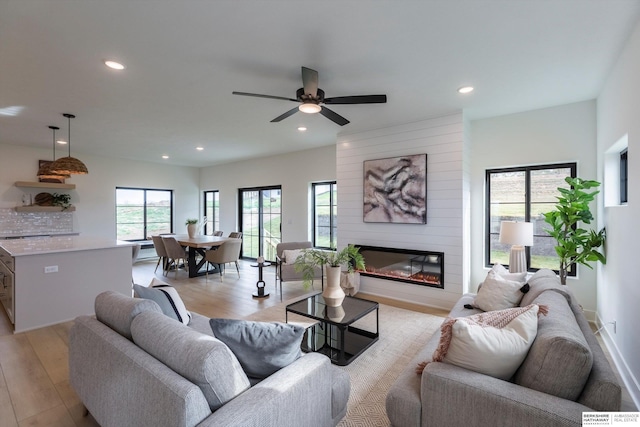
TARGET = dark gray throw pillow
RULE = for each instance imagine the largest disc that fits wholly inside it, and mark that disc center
(261, 348)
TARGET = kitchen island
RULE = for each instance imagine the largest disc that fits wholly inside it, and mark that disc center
(51, 280)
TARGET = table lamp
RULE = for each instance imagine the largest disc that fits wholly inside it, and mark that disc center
(519, 235)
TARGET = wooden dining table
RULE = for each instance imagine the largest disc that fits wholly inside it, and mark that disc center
(198, 245)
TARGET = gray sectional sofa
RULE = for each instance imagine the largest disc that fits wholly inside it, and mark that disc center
(564, 374)
(192, 379)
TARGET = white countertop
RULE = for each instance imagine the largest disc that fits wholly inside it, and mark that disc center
(45, 245)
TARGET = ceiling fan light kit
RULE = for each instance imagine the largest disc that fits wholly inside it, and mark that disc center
(310, 97)
(69, 165)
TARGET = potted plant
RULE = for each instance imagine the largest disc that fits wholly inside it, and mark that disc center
(575, 245)
(332, 261)
(62, 200)
(192, 226)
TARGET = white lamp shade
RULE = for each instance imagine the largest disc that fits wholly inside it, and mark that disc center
(516, 233)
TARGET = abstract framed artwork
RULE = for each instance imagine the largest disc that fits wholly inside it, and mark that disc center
(395, 190)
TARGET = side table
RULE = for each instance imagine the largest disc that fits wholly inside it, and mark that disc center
(260, 292)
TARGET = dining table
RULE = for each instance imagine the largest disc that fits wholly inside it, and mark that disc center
(198, 245)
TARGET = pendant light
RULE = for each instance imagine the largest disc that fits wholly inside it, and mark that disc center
(69, 165)
(44, 172)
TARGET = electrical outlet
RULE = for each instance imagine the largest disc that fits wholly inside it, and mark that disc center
(51, 269)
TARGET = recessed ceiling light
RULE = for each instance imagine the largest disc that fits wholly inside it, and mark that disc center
(61, 142)
(165, 156)
(302, 128)
(465, 89)
(199, 148)
(114, 65)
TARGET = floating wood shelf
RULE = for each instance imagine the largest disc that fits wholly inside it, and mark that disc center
(45, 185)
(36, 208)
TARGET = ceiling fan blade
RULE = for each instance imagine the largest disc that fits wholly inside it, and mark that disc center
(310, 81)
(257, 95)
(333, 116)
(358, 99)
(285, 115)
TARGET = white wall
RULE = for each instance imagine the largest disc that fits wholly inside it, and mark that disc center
(442, 140)
(293, 171)
(618, 284)
(552, 135)
(94, 196)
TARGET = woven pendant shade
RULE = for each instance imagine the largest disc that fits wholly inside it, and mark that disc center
(69, 165)
(44, 172)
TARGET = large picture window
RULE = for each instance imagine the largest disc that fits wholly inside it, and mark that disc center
(142, 213)
(211, 211)
(325, 214)
(524, 194)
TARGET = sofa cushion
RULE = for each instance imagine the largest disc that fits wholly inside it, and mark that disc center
(493, 343)
(262, 348)
(500, 290)
(560, 360)
(202, 359)
(543, 279)
(117, 311)
(167, 298)
(289, 256)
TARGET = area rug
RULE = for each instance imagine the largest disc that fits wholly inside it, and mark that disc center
(402, 334)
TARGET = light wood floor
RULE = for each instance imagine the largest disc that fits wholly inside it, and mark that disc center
(34, 386)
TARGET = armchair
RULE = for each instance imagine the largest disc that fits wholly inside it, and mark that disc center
(285, 271)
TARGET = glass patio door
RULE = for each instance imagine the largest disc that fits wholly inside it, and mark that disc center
(260, 216)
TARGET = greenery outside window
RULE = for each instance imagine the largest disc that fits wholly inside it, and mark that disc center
(524, 194)
(325, 214)
(142, 213)
(211, 211)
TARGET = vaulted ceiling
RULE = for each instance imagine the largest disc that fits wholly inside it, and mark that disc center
(183, 59)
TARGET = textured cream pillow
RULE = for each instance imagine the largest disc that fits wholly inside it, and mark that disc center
(290, 255)
(492, 343)
(499, 290)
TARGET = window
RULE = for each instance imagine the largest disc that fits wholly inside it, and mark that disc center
(260, 221)
(524, 194)
(142, 213)
(211, 211)
(623, 177)
(325, 214)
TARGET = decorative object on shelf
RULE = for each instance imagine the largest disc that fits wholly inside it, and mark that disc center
(26, 200)
(192, 227)
(62, 200)
(395, 190)
(575, 245)
(44, 166)
(332, 261)
(43, 199)
(69, 165)
(519, 235)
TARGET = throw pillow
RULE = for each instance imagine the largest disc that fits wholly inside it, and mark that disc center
(503, 272)
(499, 292)
(167, 298)
(493, 343)
(290, 255)
(261, 348)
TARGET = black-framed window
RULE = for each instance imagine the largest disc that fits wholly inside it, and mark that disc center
(260, 218)
(623, 176)
(211, 205)
(143, 212)
(325, 214)
(524, 194)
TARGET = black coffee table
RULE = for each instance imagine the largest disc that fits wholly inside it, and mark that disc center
(334, 334)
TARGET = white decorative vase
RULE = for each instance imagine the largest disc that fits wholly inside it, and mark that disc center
(191, 230)
(333, 294)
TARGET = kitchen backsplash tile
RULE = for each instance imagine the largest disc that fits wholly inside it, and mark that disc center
(14, 223)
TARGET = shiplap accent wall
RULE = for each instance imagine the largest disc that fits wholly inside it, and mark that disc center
(443, 140)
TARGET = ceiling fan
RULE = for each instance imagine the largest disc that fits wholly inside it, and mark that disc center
(310, 97)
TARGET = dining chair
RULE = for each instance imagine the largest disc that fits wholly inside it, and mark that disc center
(218, 233)
(175, 253)
(160, 251)
(235, 235)
(229, 251)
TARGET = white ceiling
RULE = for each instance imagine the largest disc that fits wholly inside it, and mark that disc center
(185, 57)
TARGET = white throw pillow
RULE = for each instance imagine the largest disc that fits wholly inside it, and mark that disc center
(503, 272)
(499, 292)
(493, 343)
(290, 255)
(167, 298)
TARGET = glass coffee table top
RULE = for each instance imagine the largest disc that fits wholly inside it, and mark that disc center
(351, 309)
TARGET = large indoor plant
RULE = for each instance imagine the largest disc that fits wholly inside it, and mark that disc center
(575, 245)
(332, 261)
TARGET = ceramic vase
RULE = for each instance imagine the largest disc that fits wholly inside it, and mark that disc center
(333, 294)
(191, 230)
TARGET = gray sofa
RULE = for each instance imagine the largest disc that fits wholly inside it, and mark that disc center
(564, 373)
(121, 384)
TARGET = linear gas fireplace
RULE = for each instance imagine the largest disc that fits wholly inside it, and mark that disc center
(424, 268)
